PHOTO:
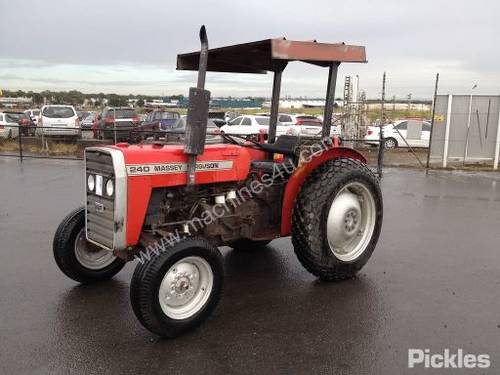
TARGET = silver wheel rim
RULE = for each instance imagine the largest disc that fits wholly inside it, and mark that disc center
(390, 143)
(351, 221)
(186, 287)
(91, 256)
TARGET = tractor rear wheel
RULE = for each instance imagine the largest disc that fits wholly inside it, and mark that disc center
(176, 290)
(337, 219)
(244, 244)
(79, 259)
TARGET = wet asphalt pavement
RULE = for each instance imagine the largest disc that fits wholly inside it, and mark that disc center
(433, 282)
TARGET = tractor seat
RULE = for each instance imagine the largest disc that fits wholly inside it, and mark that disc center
(285, 144)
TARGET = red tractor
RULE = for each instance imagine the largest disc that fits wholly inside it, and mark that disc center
(172, 205)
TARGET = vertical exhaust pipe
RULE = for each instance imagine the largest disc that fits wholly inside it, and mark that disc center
(197, 115)
(202, 66)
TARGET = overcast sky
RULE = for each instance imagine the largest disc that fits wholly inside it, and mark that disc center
(127, 46)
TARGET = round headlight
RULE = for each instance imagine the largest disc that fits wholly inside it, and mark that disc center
(110, 188)
(91, 182)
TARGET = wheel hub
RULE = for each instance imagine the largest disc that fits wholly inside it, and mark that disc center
(350, 221)
(185, 287)
(182, 285)
(344, 221)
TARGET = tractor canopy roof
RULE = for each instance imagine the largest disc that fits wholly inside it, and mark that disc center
(272, 55)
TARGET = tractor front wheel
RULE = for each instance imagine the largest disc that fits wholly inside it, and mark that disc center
(176, 290)
(79, 259)
(337, 219)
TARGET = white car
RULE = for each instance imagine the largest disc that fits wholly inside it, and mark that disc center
(395, 132)
(290, 119)
(249, 124)
(59, 120)
(314, 130)
(307, 125)
(34, 115)
(88, 121)
(9, 127)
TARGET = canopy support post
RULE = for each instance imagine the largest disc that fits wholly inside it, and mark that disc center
(330, 99)
(275, 103)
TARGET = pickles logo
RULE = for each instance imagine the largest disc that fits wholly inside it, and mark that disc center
(448, 359)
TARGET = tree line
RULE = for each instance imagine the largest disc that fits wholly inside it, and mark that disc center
(75, 97)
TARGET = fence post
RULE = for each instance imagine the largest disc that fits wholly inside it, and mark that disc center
(447, 131)
(497, 144)
(19, 135)
(432, 121)
(380, 158)
(468, 129)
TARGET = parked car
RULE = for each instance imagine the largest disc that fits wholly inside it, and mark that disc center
(82, 114)
(119, 120)
(9, 128)
(59, 120)
(218, 117)
(142, 117)
(219, 122)
(305, 125)
(289, 119)
(176, 132)
(158, 120)
(86, 123)
(34, 115)
(155, 123)
(395, 132)
(314, 129)
(250, 124)
(26, 125)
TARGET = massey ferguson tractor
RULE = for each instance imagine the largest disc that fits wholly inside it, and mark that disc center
(172, 205)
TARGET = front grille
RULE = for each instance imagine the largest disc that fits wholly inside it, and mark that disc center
(100, 208)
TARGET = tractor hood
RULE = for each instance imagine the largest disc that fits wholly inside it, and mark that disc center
(146, 167)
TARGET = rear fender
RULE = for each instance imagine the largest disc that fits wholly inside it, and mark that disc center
(299, 176)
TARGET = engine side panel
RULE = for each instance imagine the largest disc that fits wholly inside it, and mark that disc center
(154, 166)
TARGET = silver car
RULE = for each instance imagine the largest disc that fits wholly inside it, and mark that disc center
(9, 127)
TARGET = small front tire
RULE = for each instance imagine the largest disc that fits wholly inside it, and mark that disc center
(79, 259)
(176, 290)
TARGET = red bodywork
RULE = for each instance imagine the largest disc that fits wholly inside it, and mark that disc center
(139, 188)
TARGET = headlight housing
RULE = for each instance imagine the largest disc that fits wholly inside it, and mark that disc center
(91, 182)
(110, 188)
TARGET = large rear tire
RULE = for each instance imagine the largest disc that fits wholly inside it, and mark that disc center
(337, 219)
(79, 259)
(176, 290)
